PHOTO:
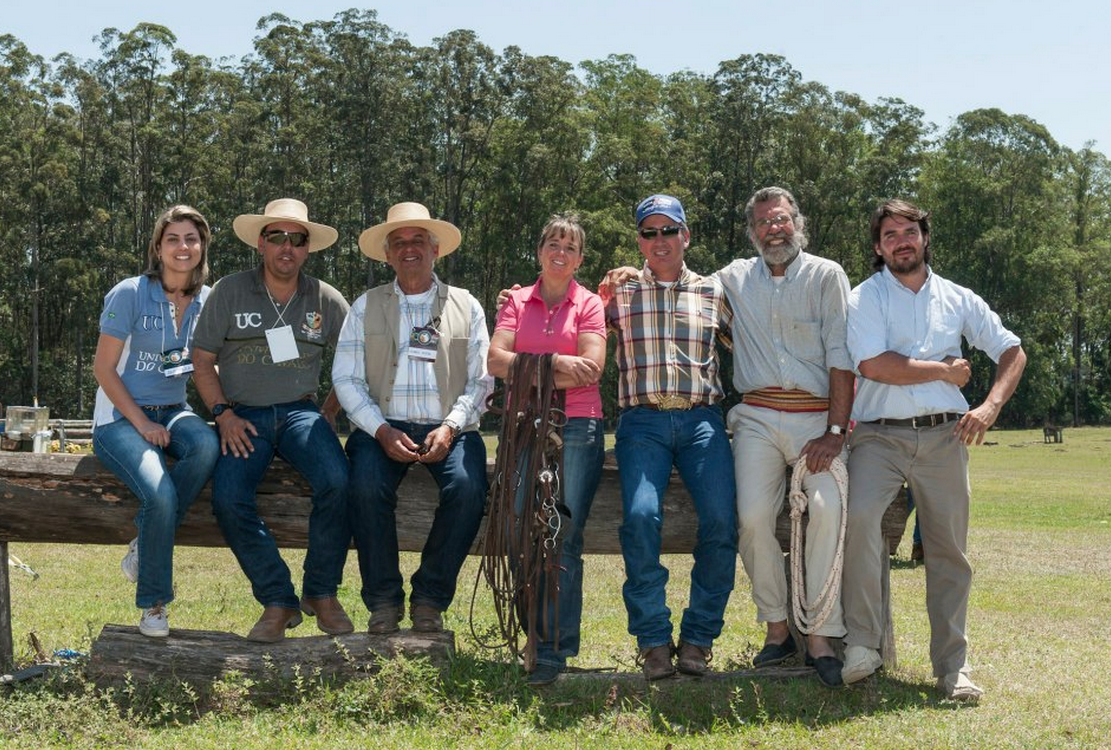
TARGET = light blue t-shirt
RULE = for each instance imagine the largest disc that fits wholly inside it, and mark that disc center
(137, 312)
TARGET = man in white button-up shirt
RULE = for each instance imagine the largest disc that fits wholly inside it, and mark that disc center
(791, 364)
(913, 425)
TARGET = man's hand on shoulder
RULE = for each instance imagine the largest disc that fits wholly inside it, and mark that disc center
(503, 297)
(614, 278)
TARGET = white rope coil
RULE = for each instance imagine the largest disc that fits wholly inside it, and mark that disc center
(830, 594)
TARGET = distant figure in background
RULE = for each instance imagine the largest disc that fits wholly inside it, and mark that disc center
(142, 363)
(557, 315)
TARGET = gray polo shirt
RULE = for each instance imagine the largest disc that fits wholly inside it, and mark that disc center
(233, 326)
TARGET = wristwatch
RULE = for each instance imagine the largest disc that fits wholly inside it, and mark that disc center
(836, 429)
(219, 409)
(455, 429)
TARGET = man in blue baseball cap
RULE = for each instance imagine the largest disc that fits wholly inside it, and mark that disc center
(669, 397)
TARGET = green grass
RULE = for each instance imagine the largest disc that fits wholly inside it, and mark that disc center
(1040, 544)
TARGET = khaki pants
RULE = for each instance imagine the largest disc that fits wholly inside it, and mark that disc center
(935, 466)
(765, 442)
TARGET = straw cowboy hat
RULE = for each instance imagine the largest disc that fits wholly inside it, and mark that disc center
(248, 226)
(408, 215)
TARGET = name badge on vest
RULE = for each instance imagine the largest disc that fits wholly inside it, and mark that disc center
(283, 346)
(423, 342)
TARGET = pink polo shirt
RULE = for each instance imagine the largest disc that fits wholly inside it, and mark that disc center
(540, 331)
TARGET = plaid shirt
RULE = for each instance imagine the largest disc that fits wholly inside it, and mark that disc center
(666, 337)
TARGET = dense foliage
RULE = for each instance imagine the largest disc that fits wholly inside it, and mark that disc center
(351, 117)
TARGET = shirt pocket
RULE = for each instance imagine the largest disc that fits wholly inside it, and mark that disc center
(803, 339)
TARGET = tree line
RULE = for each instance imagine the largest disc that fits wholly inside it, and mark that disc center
(351, 117)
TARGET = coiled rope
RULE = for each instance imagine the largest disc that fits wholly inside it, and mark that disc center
(830, 593)
(520, 552)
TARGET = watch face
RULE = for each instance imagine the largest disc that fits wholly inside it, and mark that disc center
(219, 409)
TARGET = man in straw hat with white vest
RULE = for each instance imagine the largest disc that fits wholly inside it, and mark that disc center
(410, 371)
(266, 329)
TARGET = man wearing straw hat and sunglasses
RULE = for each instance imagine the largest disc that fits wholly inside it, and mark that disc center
(266, 329)
(410, 370)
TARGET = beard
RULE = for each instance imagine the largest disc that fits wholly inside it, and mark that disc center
(908, 265)
(780, 255)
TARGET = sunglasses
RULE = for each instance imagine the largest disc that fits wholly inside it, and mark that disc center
(669, 231)
(279, 238)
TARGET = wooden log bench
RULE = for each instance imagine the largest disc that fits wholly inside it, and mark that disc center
(73, 499)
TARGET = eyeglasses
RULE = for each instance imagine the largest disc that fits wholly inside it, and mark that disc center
(776, 221)
(669, 231)
(279, 238)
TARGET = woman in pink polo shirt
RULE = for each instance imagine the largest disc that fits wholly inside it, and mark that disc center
(557, 315)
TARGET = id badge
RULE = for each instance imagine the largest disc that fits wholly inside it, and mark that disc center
(176, 362)
(283, 346)
(423, 342)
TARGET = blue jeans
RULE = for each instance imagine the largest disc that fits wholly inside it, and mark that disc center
(583, 452)
(164, 494)
(375, 478)
(300, 435)
(649, 443)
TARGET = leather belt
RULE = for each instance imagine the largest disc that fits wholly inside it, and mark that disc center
(672, 403)
(161, 407)
(918, 423)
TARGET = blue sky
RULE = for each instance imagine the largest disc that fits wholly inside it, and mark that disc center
(1050, 61)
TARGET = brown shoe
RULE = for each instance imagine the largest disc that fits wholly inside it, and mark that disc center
(384, 621)
(271, 627)
(329, 614)
(694, 659)
(656, 661)
(426, 618)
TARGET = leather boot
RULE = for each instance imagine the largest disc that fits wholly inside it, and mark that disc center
(329, 614)
(271, 627)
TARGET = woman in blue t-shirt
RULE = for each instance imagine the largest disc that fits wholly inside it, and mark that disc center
(142, 365)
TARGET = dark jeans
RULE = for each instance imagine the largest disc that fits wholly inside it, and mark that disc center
(299, 434)
(372, 490)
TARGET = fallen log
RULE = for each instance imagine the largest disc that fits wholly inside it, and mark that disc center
(200, 657)
(74, 499)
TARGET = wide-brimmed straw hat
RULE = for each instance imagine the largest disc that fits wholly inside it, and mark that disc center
(372, 240)
(248, 226)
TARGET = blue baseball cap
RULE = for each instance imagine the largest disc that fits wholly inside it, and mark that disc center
(668, 205)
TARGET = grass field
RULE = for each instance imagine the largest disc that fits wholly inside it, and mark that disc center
(1040, 544)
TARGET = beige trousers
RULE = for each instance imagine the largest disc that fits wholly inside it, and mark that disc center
(934, 464)
(765, 442)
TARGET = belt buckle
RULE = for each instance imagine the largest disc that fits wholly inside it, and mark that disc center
(914, 423)
(673, 403)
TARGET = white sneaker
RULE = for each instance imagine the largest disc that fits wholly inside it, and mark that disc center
(130, 563)
(155, 622)
(957, 686)
(860, 661)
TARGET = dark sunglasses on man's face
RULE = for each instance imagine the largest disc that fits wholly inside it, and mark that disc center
(669, 231)
(278, 238)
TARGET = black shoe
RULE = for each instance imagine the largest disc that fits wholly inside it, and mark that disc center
(775, 653)
(828, 669)
(544, 674)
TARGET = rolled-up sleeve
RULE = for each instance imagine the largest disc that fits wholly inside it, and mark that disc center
(835, 308)
(867, 325)
(984, 330)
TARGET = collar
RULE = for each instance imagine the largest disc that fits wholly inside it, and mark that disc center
(440, 289)
(890, 278)
(685, 275)
(793, 268)
(574, 292)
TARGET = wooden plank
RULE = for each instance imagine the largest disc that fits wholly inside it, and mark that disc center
(200, 657)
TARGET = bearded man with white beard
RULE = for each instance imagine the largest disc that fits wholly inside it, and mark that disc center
(792, 365)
